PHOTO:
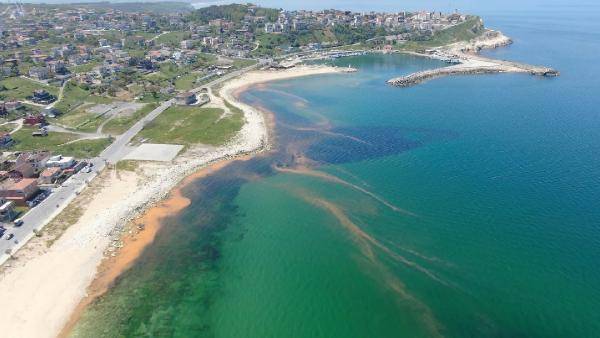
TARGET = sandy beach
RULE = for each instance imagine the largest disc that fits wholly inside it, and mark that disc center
(43, 287)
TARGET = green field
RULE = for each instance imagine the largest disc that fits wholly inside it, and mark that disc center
(24, 140)
(187, 82)
(19, 88)
(74, 96)
(81, 120)
(84, 148)
(172, 39)
(84, 68)
(243, 63)
(119, 125)
(192, 125)
(7, 128)
(55, 143)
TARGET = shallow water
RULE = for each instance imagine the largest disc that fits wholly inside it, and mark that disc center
(465, 206)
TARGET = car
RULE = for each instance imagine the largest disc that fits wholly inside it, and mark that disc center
(86, 170)
(18, 222)
(10, 236)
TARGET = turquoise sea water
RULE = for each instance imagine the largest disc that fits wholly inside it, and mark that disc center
(465, 206)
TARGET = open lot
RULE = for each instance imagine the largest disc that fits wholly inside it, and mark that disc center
(90, 117)
(58, 143)
(120, 123)
(154, 152)
(74, 96)
(192, 125)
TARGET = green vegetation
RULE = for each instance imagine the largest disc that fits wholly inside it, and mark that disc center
(273, 44)
(187, 82)
(268, 43)
(20, 88)
(24, 141)
(233, 12)
(84, 68)
(465, 31)
(192, 125)
(7, 128)
(55, 143)
(243, 63)
(172, 39)
(82, 120)
(84, 148)
(74, 96)
(159, 7)
(127, 165)
(119, 125)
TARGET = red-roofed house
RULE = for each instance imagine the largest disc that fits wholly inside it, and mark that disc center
(19, 191)
(49, 175)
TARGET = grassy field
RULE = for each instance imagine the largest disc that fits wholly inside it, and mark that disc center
(7, 128)
(55, 142)
(119, 125)
(127, 165)
(84, 68)
(243, 63)
(84, 148)
(192, 125)
(187, 82)
(74, 96)
(172, 39)
(82, 120)
(19, 88)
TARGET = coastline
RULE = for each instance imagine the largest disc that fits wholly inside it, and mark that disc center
(71, 264)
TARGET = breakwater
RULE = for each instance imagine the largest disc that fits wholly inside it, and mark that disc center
(469, 67)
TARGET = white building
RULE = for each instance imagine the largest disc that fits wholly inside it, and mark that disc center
(60, 162)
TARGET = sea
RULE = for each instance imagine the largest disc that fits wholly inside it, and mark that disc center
(465, 206)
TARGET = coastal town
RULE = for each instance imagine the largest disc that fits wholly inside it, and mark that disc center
(73, 78)
(104, 108)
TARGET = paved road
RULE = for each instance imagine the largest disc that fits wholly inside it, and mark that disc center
(39, 216)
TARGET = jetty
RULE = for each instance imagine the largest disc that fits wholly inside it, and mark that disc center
(471, 64)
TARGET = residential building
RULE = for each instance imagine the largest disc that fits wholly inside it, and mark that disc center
(50, 175)
(19, 191)
(39, 73)
(60, 162)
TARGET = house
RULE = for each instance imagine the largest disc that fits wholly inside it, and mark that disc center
(60, 162)
(13, 105)
(39, 73)
(19, 191)
(6, 140)
(32, 120)
(29, 164)
(50, 175)
(42, 96)
(58, 67)
(185, 98)
(187, 44)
